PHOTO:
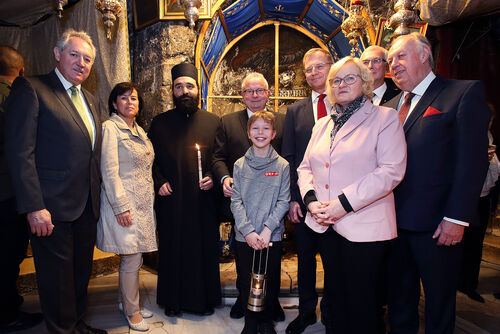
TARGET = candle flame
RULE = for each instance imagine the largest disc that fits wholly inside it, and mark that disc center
(197, 147)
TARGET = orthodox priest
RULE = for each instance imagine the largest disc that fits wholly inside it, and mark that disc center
(188, 272)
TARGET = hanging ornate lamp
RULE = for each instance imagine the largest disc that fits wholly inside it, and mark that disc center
(60, 5)
(354, 26)
(191, 11)
(403, 18)
(110, 10)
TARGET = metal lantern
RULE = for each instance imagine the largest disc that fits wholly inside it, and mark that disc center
(403, 18)
(257, 294)
(354, 26)
(191, 11)
(110, 9)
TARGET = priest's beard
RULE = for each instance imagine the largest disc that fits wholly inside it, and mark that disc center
(186, 104)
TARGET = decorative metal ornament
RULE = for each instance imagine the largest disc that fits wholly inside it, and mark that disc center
(110, 10)
(60, 5)
(354, 26)
(403, 18)
(191, 11)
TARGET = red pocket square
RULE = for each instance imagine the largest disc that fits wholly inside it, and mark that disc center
(431, 111)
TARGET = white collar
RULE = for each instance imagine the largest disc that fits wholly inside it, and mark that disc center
(380, 90)
(66, 84)
(424, 84)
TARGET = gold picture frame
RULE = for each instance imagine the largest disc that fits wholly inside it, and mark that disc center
(172, 10)
(385, 34)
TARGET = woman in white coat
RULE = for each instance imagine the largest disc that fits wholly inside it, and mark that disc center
(127, 225)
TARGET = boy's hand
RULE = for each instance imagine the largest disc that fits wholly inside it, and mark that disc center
(266, 237)
(253, 240)
(206, 183)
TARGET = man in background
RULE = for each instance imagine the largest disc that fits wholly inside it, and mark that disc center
(375, 58)
(299, 121)
(231, 144)
(14, 238)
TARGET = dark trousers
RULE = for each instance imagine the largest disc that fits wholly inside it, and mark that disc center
(244, 263)
(415, 256)
(13, 245)
(307, 242)
(63, 263)
(473, 248)
(352, 271)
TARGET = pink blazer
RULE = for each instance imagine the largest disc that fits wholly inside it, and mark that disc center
(366, 161)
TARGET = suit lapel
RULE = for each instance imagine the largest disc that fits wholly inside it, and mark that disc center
(243, 117)
(425, 101)
(309, 113)
(356, 119)
(65, 100)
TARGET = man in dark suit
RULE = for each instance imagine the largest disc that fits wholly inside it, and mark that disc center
(445, 123)
(231, 143)
(53, 149)
(375, 58)
(14, 238)
(299, 121)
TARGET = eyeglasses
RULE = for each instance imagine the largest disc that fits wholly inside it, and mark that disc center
(348, 79)
(259, 91)
(375, 61)
(318, 67)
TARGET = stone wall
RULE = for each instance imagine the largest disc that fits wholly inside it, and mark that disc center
(155, 50)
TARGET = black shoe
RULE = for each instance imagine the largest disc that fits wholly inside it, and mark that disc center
(251, 326)
(474, 296)
(83, 328)
(237, 311)
(23, 321)
(279, 314)
(170, 312)
(299, 324)
(266, 328)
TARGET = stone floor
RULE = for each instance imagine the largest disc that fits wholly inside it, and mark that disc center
(472, 317)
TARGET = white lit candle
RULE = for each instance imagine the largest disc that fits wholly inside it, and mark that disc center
(200, 174)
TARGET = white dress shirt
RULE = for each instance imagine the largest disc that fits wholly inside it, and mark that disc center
(67, 85)
(378, 93)
(315, 97)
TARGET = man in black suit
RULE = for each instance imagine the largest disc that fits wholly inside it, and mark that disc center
(231, 143)
(14, 238)
(445, 123)
(375, 58)
(299, 121)
(53, 149)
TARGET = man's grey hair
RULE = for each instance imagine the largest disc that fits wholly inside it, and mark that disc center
(422, 42)
(376, 48)
(62, 42)
(253, 76)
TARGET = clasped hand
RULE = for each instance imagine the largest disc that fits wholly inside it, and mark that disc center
(259, 241)
(326, 213)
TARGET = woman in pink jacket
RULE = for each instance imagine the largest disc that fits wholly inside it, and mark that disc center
(353, 161)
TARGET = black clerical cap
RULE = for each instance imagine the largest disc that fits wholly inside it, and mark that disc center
(184, 70)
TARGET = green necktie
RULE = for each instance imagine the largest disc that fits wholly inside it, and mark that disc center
(82, 111)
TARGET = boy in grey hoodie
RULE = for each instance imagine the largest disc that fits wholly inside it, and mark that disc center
(261, 195)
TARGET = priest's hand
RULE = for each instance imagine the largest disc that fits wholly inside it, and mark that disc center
(40, 223)
(165, 189)
(206, 183)
(124, 218)
(254, 240)
(227, 186)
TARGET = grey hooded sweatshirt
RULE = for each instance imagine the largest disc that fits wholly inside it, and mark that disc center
(261, 194)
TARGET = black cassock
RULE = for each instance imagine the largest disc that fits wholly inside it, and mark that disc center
(188, 272)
